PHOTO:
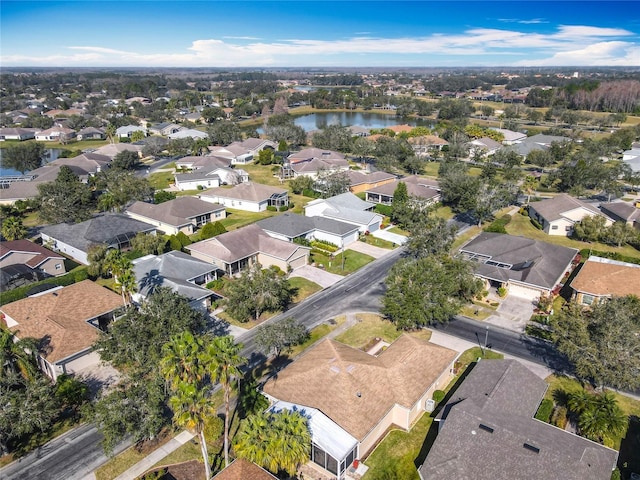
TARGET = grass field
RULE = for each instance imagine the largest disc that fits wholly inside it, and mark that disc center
(305, 288)
(352, 262)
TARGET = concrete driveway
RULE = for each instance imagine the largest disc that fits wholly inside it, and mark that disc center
(371, 250)
(513, 313)
(316, 275)
(390, 236)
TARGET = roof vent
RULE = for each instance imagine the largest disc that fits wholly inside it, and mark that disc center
(335, 369)
(486, 428)
(531, 448)
(358, 394)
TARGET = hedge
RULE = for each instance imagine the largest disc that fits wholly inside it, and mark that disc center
(385, 210)
(499, 224)
(62, 281)
(587, 252)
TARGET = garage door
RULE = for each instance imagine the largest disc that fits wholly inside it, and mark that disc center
(524, 292)
(298, 262)
(85, 361)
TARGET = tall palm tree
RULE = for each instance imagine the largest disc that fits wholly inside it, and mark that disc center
(191, 405)
(224, 359)
(13, 229)
(18, 355)
(294, 440)
(122, 270)
(181, 359)
(600, 415)
(253, 441)
(580, 402)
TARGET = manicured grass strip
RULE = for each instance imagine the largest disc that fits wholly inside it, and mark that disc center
(353, 261)
(369, 326)
(305, 288)
(124, 461)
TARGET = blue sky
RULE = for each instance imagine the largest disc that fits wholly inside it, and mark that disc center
(159, 33)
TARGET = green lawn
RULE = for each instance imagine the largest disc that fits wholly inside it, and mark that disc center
(521, 225)
(240, 218)
(369, 326)
(353, 261)
(377, 242)
(316, 334)
(305, 288)
(161, 180)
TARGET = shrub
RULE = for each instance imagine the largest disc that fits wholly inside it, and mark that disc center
(183, 239)
(502, 292)
(498, 225)
(213, 428)
(283, 208)
(559, 417)
(80, 275)
(438, 395)
(385, 210)
(536, 224)
(545, 410)
(217, 285)
(585, 253)
(271, 208)
(524, 211)
(61, 281)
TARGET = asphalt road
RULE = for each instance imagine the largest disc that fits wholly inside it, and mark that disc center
(70, 456)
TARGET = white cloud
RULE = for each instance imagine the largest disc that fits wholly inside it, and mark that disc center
(602, 53)
(569, 44)
(241, 38)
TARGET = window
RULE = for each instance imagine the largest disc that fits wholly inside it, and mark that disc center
(554, 227)
(567, 228)
(58, 266)
(587, 299)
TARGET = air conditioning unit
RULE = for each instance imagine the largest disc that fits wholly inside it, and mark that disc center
(430, 405)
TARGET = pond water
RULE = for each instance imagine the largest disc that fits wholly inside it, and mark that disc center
(50, 154)
(318, 121)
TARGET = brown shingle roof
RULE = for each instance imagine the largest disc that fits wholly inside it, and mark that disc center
(330, 375)
(62, 317)
(242, 469)
(40, 254)
(608, 278)
(177, 212)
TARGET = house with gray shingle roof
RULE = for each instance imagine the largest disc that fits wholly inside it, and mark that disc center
(202, 162)
(110, 229)
(182, 214)
(487, 431)
(182, 273)
(622, 212)
(559, 214)
(525, 266)
(37, 257)
(536, 142)
(290, 226)
(235, 251)
(347, 208)
(91, 133)
(250, 196)
(423, 190)
(211, 177)
(127, 130)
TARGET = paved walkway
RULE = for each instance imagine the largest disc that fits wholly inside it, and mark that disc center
(155, 456)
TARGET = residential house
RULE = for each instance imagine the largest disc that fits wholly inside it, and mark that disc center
(358, 131)
(56, 134)
(352, 397)
(23, 262)
(202, 162)
(510, 137)
(601, 278)
(487, 430)
(536, 142)
(66, 321)
(346, 208)
(237, 250)
(241, 153)
(308, 154)
(400, 128)
(423, 190)
(425, 145)
(527, 267)
(291, 226)
(91, 133)
(251, 197)
(632, 157)
(241, 469)
(486, 145)
(360, 181)
(558, 215)
(210, 178)
(182, 214)
(313, 168)
(182, 273)
(188, 133)
(91, 163)
(127, 130)
(112, 230)
(622, 212)
(113, 149)
(165, 129)
(17, 134)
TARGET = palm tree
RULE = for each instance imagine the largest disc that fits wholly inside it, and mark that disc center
(122, 270)
(18, 355)
(191, 405)
(580, 402)
(181, 360)
(224, 359)
(275, 441)
(13, 229)
(111, 132)
(600, 416)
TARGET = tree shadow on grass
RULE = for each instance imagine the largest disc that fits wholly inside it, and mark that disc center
(629, 457)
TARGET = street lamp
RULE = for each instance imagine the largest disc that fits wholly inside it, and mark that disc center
(486, 338)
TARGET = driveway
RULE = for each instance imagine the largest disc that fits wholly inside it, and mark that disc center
(390, 236)
(316, 275)
(513, 313)
(372, 250)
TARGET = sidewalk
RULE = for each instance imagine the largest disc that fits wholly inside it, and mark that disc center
(155, 456)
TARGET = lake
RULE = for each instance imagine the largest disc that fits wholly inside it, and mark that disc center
(318, 121)
(50, 154)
